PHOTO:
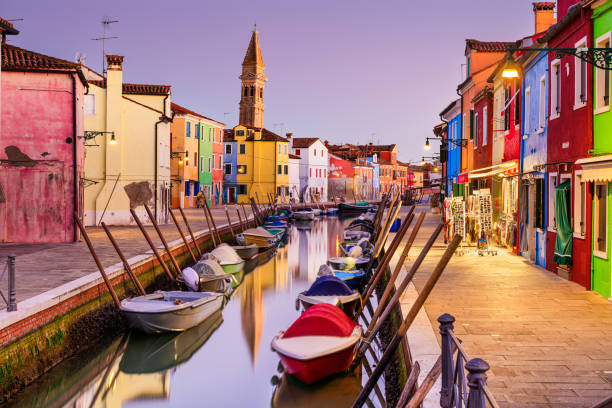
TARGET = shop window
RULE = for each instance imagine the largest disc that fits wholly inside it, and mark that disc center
(555, 89)
(228, 169)
(540, 203)
(580, 78)
(552, 183)
(602, 80)
(242, 189)
(600, 230)
(579, 205)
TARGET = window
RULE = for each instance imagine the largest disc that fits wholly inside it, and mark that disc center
(485, 127)
(580, 78)
(285, 149)
(507, 97)
(279, 148)
(246, 91)
(210, 131)
(552, 183)
(540, 203)
(527, 113)
(324, 172)
(315, 152)
(542, 107)
(242, 148)
(240, 132)
(241, 169)
(228, 169)
(187, 189)
(89, 105)
(602, 80)
(201, 164)
(209, 164)
(228, 148)
(555, 89)
(475, 130)
(188, 129)
(310, 172)
(600, 232)
(195, 158)
(286, 169)
(471, 123)
(579, 205)
(186, 157)
(242, 189)
(517, 104)
(463, 131)
(197, 130)
(297, 152)
(280, 169)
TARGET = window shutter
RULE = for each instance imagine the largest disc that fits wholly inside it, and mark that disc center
(471, 123)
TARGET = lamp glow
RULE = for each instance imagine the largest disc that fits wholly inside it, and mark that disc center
(180, 161)
(422, 162)
(510, 72)
(112, 139)
(427, 146)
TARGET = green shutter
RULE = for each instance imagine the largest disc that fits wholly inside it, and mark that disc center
(471, 124)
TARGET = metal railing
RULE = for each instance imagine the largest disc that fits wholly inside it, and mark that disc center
(11, 302)
(458, 389)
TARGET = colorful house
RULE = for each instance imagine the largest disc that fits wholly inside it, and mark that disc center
(372, 160)
(340, 178)
(481, 139)
(314, 165)
(294, 177)
(128, 154)
(452, 116)
(534, 125)
(230, 162)
(193, 163)
(41, 145)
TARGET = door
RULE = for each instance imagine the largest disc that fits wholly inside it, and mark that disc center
(231, 195)
(540, 222)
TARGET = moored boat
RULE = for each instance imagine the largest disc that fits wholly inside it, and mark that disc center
(229, 260)
(351, 235)
(170, 311)
(333, 291)
(331, 211)
(304, 214)
(321, 342)
(347, 263)
(359, 207)
(204, 276)
(354, 279)
(246, 252)
(259, 236)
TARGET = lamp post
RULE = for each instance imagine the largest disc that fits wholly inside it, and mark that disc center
(456, 142)
(598, 57)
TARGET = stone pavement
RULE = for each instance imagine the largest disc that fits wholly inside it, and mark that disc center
(41, 267)
(546, 339)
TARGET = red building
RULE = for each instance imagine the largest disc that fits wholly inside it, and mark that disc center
(483, 136)
(217, 170)
(570, 133)
(41, 145)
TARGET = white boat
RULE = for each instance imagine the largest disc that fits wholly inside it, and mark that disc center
(171, 311)
(228, 258)
(258, 236)
(304, 214)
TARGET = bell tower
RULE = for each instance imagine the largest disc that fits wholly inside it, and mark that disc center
(253, 81)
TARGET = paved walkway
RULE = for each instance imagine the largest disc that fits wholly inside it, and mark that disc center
(547, 340)
(41, 267)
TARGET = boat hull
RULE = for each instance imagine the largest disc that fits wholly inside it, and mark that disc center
(348, 304)
(261, 242)
(353, 279)
(233, 268)
(246, 251)
(351, 208)
(304, 216)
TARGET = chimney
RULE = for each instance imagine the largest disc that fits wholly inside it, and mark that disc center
(288, 135)
(544, 15)
(114, 93)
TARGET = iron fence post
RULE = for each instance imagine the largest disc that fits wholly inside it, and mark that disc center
(12, 303)
(476, 379)
(446, 324)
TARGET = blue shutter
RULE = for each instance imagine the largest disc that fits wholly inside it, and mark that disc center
(187, 189)
(196, 187)
(188, 125)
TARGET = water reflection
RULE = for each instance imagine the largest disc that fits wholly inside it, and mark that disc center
(209, 363)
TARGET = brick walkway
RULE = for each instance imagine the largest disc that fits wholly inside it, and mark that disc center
(546, 339)
(41, 267)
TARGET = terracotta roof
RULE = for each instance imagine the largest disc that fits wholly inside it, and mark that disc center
(182, 110)
(488, 46)
(7, 27)
(384, 162)
(383, 148)
(266, 135)
(294, 156)
(138, 89)
(20, 59)
(543, 5)
(253, 53)
(303, 142)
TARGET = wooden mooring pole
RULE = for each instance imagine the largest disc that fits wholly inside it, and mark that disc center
(213, 222)
(126, 264)
(97, 261)
(152, 245)
(190, 231)
(182, 235)
(163, 240)
(210, 230)
(229, 221)
(239, 218)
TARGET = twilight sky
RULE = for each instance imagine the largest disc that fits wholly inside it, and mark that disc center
(342, 70)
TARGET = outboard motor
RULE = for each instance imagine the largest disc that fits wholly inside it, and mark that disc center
(191, 279)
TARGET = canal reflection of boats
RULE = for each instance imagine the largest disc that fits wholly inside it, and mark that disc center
(336, 391)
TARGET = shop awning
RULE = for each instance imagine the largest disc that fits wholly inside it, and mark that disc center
(508, 169)
(598, 168)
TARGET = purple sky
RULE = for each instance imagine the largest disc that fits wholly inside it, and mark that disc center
(342, 70)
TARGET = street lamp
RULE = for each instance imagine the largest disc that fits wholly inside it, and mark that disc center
(511, 71)
(598, 57)
(112, 140)
(179, 156)
(456, 142)
(427, 146)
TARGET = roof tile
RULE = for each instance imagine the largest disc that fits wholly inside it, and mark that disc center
(489, 46)
(22, 59)
(138, 89)
(182, 110)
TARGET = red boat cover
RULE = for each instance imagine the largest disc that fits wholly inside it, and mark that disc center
(321, 320)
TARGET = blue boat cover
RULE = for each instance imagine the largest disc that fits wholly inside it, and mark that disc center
(328, 286)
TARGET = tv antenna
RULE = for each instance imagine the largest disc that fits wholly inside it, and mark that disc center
(106, 22)
(80, 57)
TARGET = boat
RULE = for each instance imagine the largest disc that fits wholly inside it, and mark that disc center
(204, 276)
(354, 279)
(347, 263)
(275, 222)
(170, 311)
(304, 214)
(229, 260)
(331, 211)
(351, 235)
(278, 233)
(251, 263)
(321, 342)
(246, 252)
(317, 212)
(335, 391)
(358, 207)
(150, 354)
(331, 290)
(258, 236)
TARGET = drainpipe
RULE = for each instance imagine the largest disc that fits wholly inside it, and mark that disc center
(74, 156)
(162, 119)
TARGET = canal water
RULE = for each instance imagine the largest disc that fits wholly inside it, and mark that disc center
(224, 362)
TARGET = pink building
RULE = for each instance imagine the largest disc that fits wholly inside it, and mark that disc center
(217, 170)
(41, 146)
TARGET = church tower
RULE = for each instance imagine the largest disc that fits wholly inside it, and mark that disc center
(253, 81)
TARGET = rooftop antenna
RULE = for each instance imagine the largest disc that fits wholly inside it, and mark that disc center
(106, 21)
(15, 19)
(80, 57)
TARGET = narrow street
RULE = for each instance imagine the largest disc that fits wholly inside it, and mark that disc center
(546, 339)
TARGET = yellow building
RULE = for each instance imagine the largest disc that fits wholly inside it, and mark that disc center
(127, 139)
(262, 159)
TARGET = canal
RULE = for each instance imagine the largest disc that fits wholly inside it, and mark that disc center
(224, 362)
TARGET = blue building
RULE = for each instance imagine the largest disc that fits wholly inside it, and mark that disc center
(373, 161)
(230, 160)
(452, 116)
(534, 125)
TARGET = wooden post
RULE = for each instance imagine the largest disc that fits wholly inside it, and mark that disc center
(428, 382)
(213, 223)
(446, 345)
(152, 245)
(229, 221)
(126, 264)
(415, 370)
(246, 218)
(397, 337)
(190, 231)
(182, 235)
(163, 240)
(97, 261)
(210, 230)
(239, 218)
